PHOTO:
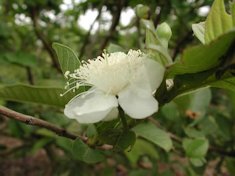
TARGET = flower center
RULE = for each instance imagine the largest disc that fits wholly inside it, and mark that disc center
(111, 72)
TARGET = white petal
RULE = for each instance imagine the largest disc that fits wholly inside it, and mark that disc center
(155, 73)
(91, 107)
(137, 104)
(149, 76)
(113, 114)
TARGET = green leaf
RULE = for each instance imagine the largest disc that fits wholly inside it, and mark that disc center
(228, 84)
(230, 163)
(154, 134)
(218, 21)
(196, 102)
(202, 57)
(170, 111)
(64, 143)
(197, 161)
(154, 45)
(160, 52)
(84, 153)
(195, 148)
(141, 148)
(33, 94)
(151, 36)
(199, 31)
(193, 133)
(126, 140)
(67, 58)
(115, 48)
(21, 58)
(200, 100)
(233, 13)
(40, 144)
(142, 11)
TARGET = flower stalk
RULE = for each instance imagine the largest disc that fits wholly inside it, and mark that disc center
(123, 119)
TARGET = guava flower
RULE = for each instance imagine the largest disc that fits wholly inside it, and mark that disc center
(116, 79)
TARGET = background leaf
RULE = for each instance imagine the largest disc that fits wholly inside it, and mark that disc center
(20, 58)
(67, 58)
(84, 153)
(154, 135)
(33, 94)
(141, 148)
(218, 21)
(195, 148)
(203, 57)
(199, 31)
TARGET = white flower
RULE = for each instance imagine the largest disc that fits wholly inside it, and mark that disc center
(128, 80)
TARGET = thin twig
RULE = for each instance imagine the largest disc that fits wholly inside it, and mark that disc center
(87, 37)
(222, 151)
(115, 22)
(29, 120)
(47, 44)
(181, 44)
(29, 75)
(179, 140)
(157, 124)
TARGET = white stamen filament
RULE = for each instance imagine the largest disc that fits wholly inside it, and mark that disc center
(109, 73)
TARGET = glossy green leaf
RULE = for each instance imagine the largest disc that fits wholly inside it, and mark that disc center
(202, 57)
(33, 94)
(154, 134)
(218, 21)
(199, 31)
(228, 84)
(195, 148)
(84, 153)
(67, 58)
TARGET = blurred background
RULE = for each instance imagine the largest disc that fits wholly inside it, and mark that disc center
(27, 30)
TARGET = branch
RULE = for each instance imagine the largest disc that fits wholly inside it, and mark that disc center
(181, 44)
(45, 42)
(29, 75)
(177, 139)
(158, 17)
(86, 39)
(221, 151)
(115, 22)
(29, 120)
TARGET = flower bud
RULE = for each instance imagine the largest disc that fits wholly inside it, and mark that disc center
(142, 11)
(164, 33)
